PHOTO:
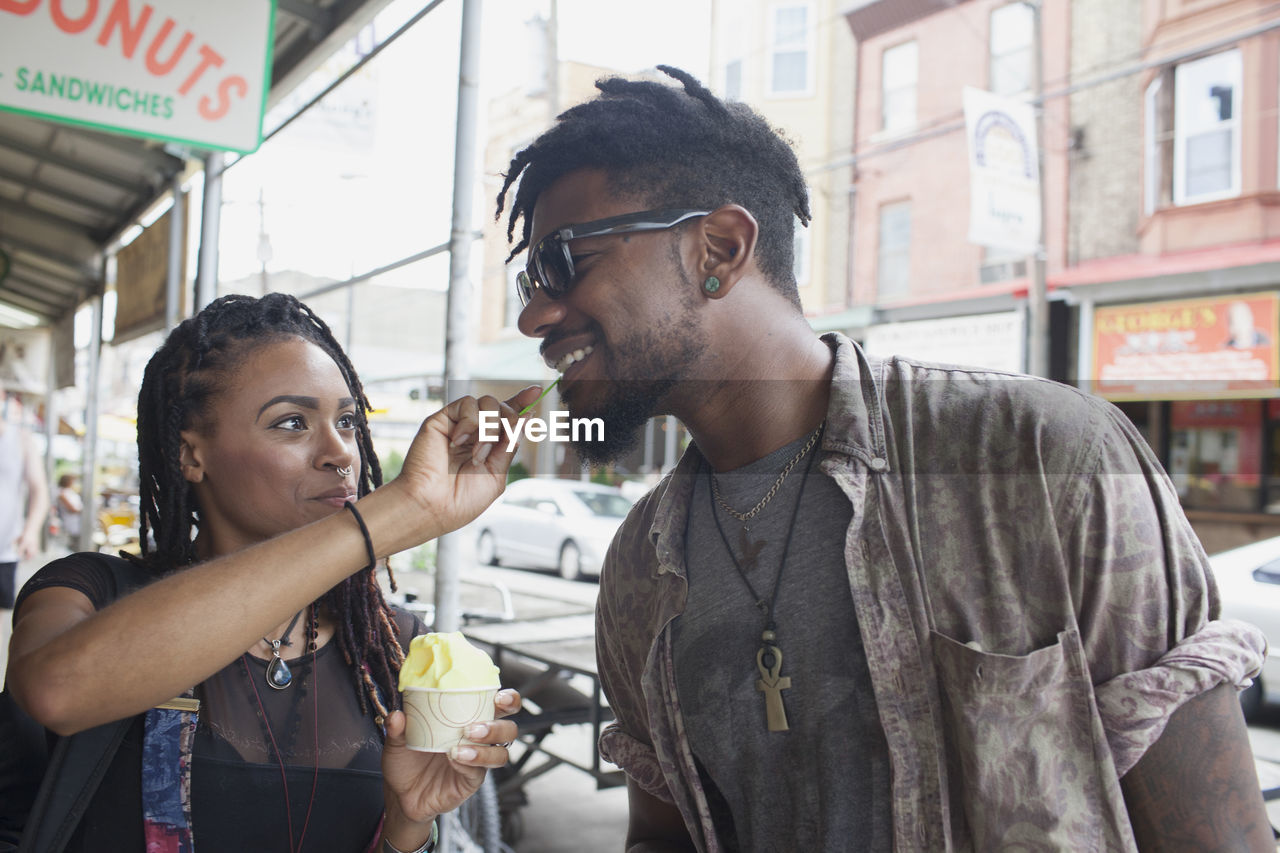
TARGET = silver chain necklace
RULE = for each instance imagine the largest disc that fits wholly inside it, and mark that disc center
(773, 490)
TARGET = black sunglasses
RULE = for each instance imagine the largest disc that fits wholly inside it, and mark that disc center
(550, 266)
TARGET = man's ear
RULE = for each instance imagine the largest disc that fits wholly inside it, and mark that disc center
(726, 252)
(190, 456)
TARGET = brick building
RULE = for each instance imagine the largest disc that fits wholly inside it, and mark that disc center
(1160, 177)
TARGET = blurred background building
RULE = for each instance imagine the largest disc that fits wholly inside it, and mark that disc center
(1154, 281)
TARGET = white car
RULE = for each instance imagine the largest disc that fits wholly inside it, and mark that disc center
(1249, 580)
(544, 523)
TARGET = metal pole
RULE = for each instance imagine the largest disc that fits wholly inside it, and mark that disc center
(89, 457)
(457, 373)
(1084, 346)
(1037, 298)
(263, 244)
(50, 430)
(210, 220)
(670, 446)
(177, 236)
(647, 465)
(351, 318)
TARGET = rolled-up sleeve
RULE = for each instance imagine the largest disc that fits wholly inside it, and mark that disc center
(1146, 600)
(620, 659)
(1136, 706)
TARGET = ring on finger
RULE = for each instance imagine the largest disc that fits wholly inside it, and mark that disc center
(505, 744)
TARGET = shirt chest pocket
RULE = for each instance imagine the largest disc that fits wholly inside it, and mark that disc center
(1026, 752)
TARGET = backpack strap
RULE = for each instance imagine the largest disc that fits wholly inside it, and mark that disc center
(75, 771)
(78, 762)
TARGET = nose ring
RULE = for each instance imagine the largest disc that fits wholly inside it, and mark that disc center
(344, 472)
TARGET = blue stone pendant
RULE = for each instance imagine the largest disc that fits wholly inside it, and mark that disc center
(279, 676)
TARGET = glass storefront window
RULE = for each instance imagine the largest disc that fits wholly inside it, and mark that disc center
(1215, 453)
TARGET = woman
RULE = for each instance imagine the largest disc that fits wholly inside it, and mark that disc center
(252, 444)
(69, 506)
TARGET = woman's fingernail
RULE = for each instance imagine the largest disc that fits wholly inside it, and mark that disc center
(478, 730)
(460, 440)
(506, 697)
(464, 753)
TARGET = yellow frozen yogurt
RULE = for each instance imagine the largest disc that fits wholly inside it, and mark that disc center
(446, 660)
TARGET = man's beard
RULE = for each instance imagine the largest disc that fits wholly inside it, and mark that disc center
(626, 408)
(655, 361)
(626, 405)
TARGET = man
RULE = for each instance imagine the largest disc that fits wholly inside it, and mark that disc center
(24, 504)
(878, 605)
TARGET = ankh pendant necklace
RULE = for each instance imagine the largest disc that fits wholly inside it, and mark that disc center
(769, 657)
(278, 674)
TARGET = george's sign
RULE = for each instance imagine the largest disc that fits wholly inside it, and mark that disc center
(188, 71)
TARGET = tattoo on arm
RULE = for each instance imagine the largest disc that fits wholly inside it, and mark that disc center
(1197, 789)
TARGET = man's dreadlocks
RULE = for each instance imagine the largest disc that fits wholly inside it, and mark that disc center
(179, 390)
(672, 147)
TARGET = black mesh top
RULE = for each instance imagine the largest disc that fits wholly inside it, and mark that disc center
(238, 795)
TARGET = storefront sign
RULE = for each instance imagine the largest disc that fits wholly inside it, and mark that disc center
(142, 279)
(1188, 349)
(981, 340)
(188, 71)
(1004, 172)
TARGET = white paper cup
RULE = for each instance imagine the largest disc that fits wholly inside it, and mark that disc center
(437, 717)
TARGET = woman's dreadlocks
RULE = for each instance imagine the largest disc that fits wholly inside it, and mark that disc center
(179, 387)
(672, 147)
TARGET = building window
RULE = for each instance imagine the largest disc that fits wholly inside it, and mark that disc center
(732, 40)
(1206, 125)
(789, 57)
(899, 72)
(893, 268)
(733, 80)
(1215, 453)
(1011, 49)
(800, 253)
(1001, 265)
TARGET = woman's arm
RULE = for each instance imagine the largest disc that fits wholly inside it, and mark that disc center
(72, 668)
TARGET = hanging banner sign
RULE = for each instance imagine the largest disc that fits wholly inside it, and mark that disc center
(186, 71)
(1188, 349)
(980, 340)
(1004, 172)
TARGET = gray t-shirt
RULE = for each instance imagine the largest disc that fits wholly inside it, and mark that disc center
(823, 784)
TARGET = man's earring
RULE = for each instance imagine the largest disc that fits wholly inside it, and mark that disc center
(711, 285)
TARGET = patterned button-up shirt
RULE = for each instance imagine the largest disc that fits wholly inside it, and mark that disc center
(1033, 603)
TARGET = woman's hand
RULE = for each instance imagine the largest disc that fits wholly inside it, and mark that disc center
(419, 786)
(450, 470)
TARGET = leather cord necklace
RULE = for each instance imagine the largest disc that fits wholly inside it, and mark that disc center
(769, 657)
(312, 633)
(278, 674)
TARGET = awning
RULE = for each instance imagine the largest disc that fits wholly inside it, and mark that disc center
(66, 193)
